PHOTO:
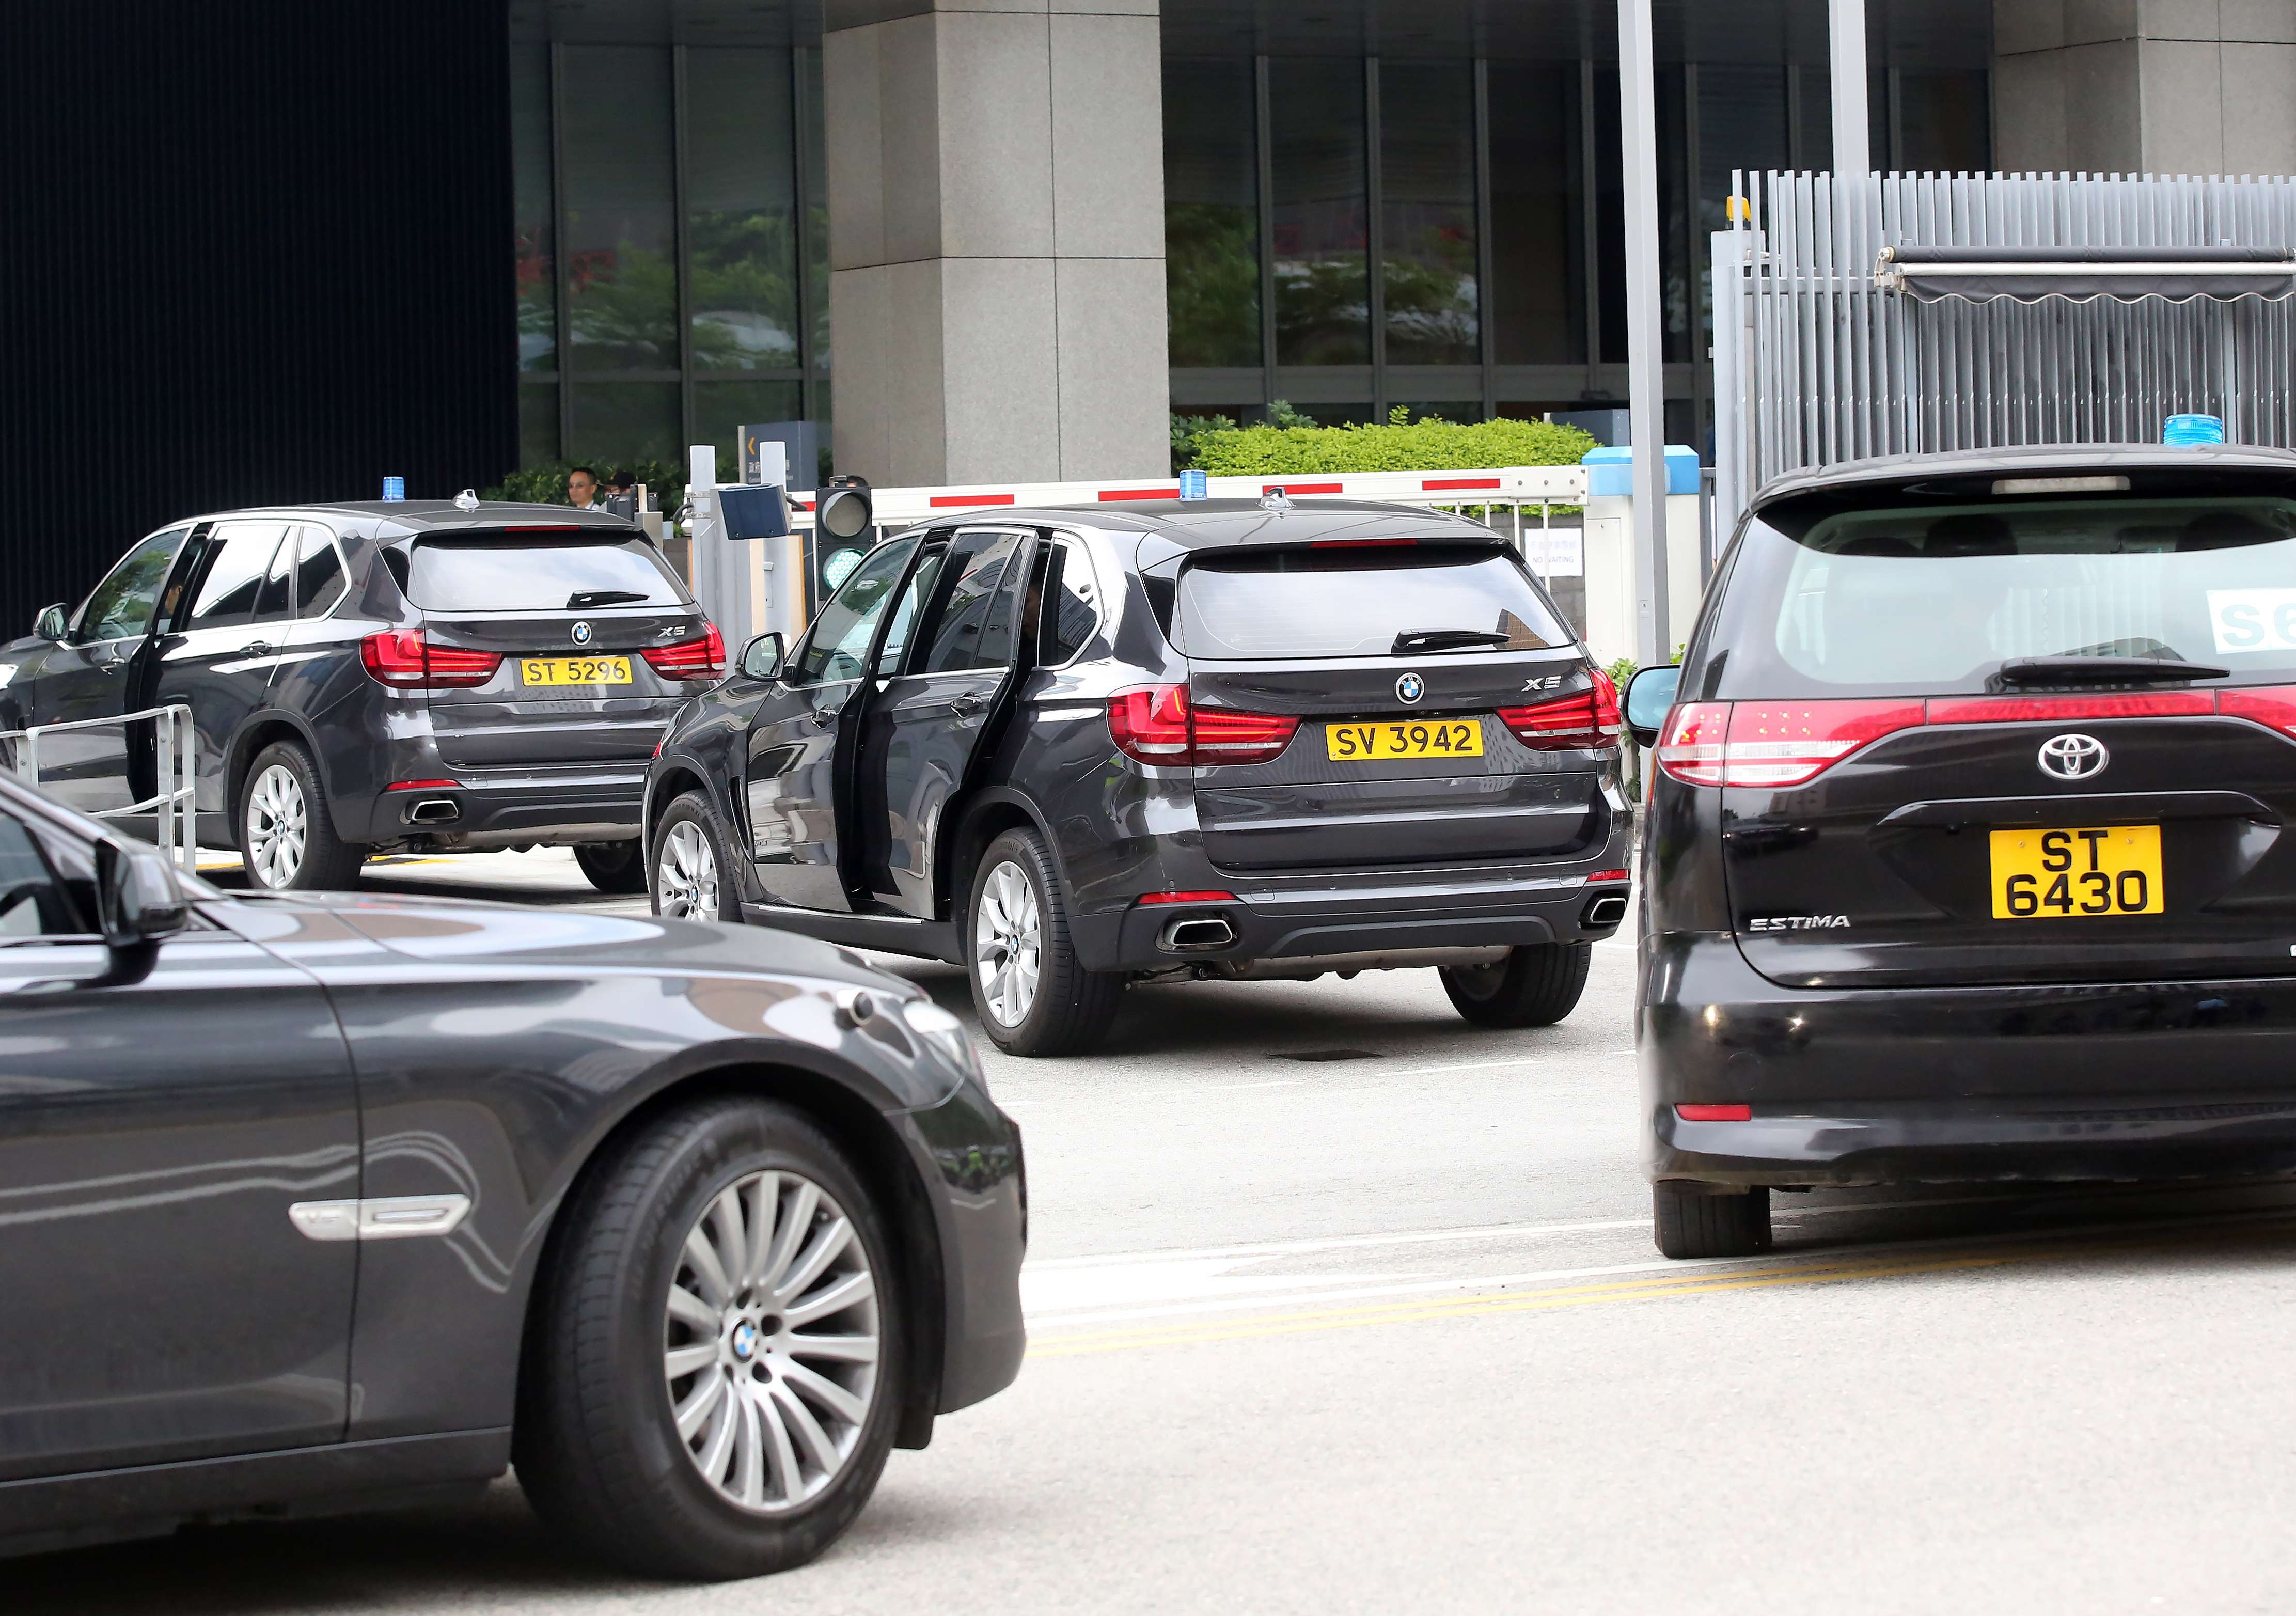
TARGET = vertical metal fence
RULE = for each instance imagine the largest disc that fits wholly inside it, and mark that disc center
(1815, 363)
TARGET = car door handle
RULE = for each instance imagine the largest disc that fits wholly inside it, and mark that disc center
(967, 701)
(822, 718)
(261, 648)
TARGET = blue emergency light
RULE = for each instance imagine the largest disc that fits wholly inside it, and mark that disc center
(394, 488)
(1194, 484)
(2185, 430)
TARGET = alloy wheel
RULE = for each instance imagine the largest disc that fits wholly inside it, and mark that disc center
(770, 1341)
(1008, 942)
(278, 827)
(687, 876)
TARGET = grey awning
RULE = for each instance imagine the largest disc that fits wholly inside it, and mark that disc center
(2027, 274)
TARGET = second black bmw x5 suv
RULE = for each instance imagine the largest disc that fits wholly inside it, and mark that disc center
(1073, 749)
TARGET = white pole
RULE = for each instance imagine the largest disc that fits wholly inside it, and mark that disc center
(1645, 367)
(1846, 45)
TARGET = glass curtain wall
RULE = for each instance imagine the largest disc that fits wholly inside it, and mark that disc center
(671, 246)
(1449, 235)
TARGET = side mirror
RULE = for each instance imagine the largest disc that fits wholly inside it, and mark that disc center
(1649, 693)
(761, 658)
(138, 897)
(53, 623)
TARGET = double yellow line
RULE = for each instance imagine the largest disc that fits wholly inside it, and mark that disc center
(1650, 1287)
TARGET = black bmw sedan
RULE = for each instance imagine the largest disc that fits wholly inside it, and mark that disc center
(311, 1203)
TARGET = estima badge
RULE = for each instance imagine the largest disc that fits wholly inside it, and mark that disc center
(2073, 756)
(1409, 688)
(581, 633)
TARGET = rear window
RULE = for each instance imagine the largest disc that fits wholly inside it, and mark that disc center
(1270, 606)
(1935, 599)
(511, 573)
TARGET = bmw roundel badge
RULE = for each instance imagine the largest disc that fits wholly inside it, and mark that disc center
(1409, 688)
(581, 633)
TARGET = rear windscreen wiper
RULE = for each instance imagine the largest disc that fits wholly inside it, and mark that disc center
(582, 598)
(2105, 670)
(1447, 639)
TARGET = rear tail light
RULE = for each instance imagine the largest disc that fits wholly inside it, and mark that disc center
(701, 658)
(403, 659)
(1159, 725)
(1583, 720)
(1776, 744)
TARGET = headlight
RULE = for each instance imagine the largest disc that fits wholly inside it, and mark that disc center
(943, 1032)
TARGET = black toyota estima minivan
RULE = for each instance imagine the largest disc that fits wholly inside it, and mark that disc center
(1968, 851)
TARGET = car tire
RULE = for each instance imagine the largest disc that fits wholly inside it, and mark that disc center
(1688, 1223)
(1535, 986)
(286, 832)
(614, 866)
(620, 1443)
(1017, 907)
(689, 874)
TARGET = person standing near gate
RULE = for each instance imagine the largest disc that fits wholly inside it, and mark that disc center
(582, 489)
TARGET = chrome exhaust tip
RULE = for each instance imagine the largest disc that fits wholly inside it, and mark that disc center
(1197, 934)
(1607, 909)
(435, 810)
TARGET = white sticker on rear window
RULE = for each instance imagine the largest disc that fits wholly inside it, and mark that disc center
(2253, 620)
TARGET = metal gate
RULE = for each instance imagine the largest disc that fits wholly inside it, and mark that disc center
(1819, 358)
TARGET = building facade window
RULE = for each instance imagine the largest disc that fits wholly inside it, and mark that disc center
(672, 241)
(1321, 206)
(1211, 213)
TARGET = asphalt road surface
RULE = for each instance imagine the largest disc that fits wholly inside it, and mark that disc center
(1337, 1304)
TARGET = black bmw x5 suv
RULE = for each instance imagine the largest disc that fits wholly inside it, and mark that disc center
(1075, 748)
(431, 676)
(1968, 856)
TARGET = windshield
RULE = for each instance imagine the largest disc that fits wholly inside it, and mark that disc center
(502, 572)
(1936, 599)
(1268, 605)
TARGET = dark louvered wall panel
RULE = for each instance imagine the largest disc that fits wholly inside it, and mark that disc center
(252, 250)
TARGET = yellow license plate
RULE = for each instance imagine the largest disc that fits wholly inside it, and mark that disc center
(574, 670)
(2064, 875)
(1420, 738)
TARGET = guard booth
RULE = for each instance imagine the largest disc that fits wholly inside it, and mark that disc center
(1915, 313)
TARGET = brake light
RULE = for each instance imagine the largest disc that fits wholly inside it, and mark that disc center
(2274, 706)
(1147, 898)
(1772, 744)
(2059, 710)
(402, 658)
(1584, 720)
(1159, 725)
(702, 658)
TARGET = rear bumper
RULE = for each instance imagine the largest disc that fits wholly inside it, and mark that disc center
(502, 808)
(1290, 924)
(2123, 1081)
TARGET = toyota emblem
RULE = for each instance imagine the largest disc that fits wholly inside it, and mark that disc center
(2073, 756)
(581, 633)
(1409, 688)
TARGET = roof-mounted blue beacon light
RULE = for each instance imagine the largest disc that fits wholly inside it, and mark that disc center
(2182, 431)
(394, 489)
(1194, 484)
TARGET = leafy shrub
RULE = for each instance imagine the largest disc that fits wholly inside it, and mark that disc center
(546, 484)
(1289, 444)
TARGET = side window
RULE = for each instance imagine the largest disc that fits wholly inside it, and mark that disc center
(1071, 606)
(272, 604)
(319, 580)
(239, 557)
(897, 633)
(33, 903)
(972, 625)
(120, 606)
(837, 647)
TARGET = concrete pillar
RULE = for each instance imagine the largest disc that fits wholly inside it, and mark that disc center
(2144, 87)
(996, 239)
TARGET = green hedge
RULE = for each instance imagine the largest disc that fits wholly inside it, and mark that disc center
(1290, 445)
(546, 484)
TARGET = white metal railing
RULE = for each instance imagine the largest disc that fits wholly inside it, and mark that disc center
(174, 748)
